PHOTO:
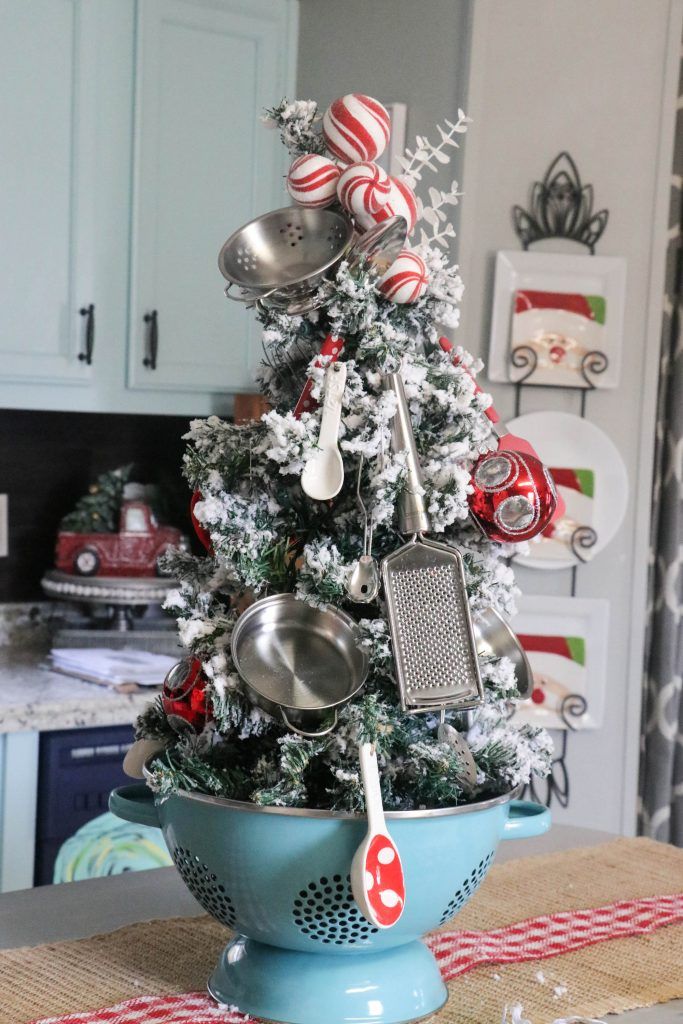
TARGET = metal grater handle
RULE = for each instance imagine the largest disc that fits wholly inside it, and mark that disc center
(412, 513)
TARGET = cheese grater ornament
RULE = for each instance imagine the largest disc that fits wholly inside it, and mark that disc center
(433, 640)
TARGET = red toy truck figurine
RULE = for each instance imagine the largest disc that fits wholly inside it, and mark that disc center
(136, 550)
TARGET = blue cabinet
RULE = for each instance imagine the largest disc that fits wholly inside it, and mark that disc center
(47, 120)
(77, 769)
(131, 149)
(203, 166)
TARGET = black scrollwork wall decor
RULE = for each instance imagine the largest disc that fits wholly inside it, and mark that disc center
(560, 206)
(525, 359)
(556, 785)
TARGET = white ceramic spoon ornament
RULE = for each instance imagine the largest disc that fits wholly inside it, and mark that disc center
(323, 474)
(377, 879)
(138, 754)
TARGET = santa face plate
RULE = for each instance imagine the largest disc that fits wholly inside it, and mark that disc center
(513, 496)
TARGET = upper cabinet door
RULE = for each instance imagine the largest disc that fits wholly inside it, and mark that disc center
(48, 68)
(203, 166)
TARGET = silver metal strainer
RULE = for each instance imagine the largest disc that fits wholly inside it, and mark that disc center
(289, 250)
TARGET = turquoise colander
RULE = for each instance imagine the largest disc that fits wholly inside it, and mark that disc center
(279, 877)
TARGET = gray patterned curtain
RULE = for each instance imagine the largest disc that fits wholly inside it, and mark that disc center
(661, 766)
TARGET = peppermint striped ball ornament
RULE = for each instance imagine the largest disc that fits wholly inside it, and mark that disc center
(406, 279)
(401, 202)
(312, 180)
(363, 188)
(356, 127)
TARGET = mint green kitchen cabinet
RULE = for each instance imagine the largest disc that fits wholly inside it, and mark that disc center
(47, 174)
(131, 149)
(203, 165)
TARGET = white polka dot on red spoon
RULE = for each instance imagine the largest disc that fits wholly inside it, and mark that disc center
(389, 898)
(386, 855)
(369, 880)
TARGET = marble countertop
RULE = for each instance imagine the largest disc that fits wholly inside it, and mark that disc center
(35, 699)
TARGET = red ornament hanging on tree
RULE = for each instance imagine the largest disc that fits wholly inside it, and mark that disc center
(184, 696)
(201, 531)
(514, 496)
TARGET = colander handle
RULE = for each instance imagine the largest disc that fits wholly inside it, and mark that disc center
(134, 803)
(310, 735)
(526, 819)
(246, 296)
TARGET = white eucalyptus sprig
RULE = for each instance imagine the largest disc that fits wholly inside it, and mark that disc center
(436, 216)
(428, 155)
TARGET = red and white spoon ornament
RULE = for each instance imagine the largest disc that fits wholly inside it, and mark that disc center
(506, 441)
(330, 351)
(377, 879)
(379, 247)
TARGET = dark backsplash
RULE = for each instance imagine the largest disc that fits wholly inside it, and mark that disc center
(48, 460)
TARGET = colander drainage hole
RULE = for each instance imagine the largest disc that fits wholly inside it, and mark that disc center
(467, 887)
(325, 912)
(204, 886)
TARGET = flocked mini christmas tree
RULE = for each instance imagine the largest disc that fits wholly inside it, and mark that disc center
(265, 535)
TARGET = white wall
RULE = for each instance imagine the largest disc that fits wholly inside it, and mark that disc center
(598, 78)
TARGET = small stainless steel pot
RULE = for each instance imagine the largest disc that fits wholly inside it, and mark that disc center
(297, 662)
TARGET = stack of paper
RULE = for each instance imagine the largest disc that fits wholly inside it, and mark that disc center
(112, 667)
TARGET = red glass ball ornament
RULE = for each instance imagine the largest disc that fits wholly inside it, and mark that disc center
(183, 696)
(513, 496)
(201, 531)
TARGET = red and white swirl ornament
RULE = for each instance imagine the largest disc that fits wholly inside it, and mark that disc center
(406, 279)
(356, 127)
(363, 188)
(312, 181)
(401, 202)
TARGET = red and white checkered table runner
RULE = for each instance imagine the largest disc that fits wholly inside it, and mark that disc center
(456, 953)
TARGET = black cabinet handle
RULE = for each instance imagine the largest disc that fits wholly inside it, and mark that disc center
(89, 313)
(150, 360)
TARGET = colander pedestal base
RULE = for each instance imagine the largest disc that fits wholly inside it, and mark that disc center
(284, 985)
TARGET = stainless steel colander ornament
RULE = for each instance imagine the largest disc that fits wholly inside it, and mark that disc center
(285, 255)
(286, 260)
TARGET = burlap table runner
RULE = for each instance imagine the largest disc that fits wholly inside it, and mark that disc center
(177, 955)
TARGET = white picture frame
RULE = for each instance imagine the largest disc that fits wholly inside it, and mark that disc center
(389, 159)
(566, 643)
(559, 337)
